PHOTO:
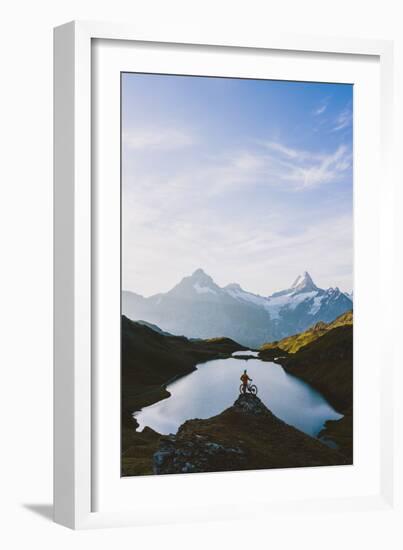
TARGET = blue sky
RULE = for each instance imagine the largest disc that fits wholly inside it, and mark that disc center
(249, 179)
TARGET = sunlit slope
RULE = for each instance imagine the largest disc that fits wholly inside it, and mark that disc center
(293, 343)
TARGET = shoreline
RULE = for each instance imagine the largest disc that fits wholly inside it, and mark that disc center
(151, 361)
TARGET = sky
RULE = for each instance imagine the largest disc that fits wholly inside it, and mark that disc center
(251, 180)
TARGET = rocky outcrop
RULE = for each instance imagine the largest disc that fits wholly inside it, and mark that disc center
(196, 454)
(246, 436)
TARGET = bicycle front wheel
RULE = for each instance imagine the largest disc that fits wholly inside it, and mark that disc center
(253, 389)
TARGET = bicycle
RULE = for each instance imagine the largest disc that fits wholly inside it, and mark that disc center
(251, 388)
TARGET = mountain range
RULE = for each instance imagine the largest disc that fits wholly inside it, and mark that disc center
(198, 308)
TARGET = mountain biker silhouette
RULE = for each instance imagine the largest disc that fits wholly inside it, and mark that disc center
(245, 379)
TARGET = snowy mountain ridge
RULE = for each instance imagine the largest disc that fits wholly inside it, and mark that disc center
(198, 308)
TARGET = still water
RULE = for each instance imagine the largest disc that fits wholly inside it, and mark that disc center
(214, 386)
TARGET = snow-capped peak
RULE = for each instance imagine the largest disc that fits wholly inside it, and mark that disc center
(233, 286)
(199, 273)
(203, 289)
(197, 283)
(201, 277)
(236, 291)
(303, 283)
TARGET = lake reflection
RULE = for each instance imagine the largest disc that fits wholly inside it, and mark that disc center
(214, 386)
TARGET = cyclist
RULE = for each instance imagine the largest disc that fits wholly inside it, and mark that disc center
(245, 379)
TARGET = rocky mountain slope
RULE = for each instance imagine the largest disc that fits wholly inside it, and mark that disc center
(244, 436)
(198, 308)
(150, 360)
(326, 362)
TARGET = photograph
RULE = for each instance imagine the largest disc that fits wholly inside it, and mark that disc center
(236, 274)
(203, 257)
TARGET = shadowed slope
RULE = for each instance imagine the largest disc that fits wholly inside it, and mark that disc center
(150, 360)
(245, 436)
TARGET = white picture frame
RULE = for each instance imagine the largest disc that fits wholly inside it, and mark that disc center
(79, 311)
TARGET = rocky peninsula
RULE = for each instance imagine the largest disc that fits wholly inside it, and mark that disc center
(246, 436)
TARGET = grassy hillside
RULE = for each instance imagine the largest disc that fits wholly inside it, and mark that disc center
(327, 364)
(150, 360)
(323, 357)
(292, 344)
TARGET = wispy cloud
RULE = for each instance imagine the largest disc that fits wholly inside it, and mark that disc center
(316, 172)
(344, 119)
(161, 139)
(201, 238)
(321, 108)
(306, 169)
(252, 189)
(201, 177)
(288, 152)
(191, 217)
